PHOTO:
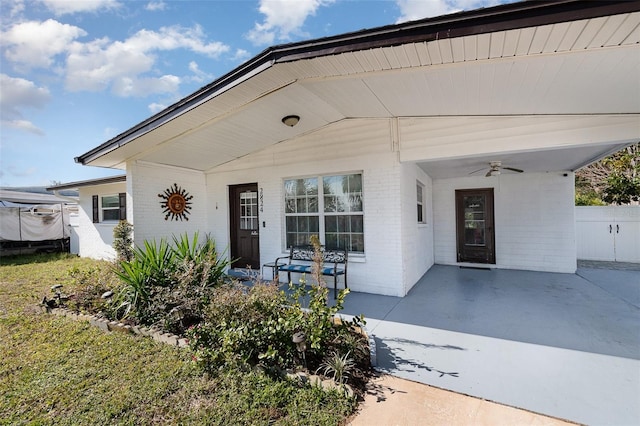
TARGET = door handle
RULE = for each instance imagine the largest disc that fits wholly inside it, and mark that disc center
(610, 228)
(617, 229)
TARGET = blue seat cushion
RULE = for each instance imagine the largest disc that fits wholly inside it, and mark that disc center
(307, 269)
(295, 268)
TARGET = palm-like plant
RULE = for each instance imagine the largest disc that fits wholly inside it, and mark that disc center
(339, 367)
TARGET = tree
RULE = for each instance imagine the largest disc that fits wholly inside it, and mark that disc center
(614, 179)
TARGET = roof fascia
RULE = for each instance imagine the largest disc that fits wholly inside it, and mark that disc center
(89, 182)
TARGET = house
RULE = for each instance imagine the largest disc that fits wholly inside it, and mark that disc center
(102, 204)
(449, 140)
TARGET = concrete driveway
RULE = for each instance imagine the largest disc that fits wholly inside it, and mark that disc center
(563, 345)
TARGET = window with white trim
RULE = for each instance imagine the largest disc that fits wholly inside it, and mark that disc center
(422, 217)
(110, 207)
(328, 206)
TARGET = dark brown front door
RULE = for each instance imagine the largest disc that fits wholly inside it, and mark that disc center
(474, 225)
(245, 226)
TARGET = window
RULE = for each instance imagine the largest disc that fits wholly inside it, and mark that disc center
(249, 210)
(420, 203)
(328, 206)
(109, 207)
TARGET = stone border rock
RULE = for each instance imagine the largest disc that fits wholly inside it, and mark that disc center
(113, 326)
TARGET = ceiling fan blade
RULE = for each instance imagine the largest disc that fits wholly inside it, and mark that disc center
(488, 173)
(476, 171)
(513, 169)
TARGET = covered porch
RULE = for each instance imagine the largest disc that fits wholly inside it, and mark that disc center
(563, 345)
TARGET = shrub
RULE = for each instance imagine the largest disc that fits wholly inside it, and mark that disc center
(169, 285)
(123, 240)
(89, 284)
(250, 326)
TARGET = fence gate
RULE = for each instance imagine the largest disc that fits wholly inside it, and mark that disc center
(610, 233)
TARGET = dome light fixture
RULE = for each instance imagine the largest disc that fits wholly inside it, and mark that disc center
(291, 120)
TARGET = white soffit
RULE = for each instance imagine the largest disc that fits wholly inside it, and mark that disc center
(583, 67)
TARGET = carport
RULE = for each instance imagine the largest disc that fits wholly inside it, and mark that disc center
(564, 345)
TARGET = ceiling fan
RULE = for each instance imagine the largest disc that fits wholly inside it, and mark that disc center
(495, 167)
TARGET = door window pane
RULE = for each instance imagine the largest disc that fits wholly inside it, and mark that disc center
(474, 220)
(249, 210)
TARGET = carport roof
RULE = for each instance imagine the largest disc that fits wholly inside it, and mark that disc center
(502, 18)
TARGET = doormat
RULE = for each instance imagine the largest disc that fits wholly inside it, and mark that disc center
(479, 268)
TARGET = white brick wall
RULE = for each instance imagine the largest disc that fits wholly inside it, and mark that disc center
(95, 239)
(534, 212)
(145, 181)
(351, 146)
(534, 220)
(417, 238)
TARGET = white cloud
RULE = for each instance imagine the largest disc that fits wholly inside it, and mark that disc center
(412, 10)
(64, 7)
(156, 107)
(141, 87)
(155, 5)
(23, 125)
(241, 54)
(17, 94)
(97, 65)
(282, 19)
(198, 76)
(16, 7)
(35, 44)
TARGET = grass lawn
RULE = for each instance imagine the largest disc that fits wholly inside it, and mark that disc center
(54, 370)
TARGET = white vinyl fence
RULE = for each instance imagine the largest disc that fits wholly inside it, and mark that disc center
(610, 233)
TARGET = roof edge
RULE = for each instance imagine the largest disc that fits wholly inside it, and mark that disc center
(88, 182)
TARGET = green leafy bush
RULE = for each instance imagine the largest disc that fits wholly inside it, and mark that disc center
(249, 326)
(169, 285)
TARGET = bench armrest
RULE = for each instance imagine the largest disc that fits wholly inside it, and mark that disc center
(282, 257)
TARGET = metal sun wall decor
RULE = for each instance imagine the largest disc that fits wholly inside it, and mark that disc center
(176, 203)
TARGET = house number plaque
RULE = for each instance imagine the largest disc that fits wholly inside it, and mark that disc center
(176, 203)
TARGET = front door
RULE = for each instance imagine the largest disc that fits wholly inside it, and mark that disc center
(474, 225)
(245, 239)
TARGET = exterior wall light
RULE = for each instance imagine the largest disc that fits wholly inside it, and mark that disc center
(291, 120)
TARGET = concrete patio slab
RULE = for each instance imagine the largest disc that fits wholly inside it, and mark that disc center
(556, 344)
(394, 401)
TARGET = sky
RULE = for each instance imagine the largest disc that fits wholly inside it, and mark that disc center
(75, 73)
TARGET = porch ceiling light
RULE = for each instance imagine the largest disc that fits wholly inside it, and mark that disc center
(291, 120)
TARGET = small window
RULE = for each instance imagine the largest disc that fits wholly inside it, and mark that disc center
(111, 207)
(420, 203)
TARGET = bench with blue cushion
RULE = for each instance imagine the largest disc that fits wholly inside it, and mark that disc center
(300, 259)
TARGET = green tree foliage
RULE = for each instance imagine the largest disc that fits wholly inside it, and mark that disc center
(613, 180)
(623, 184)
